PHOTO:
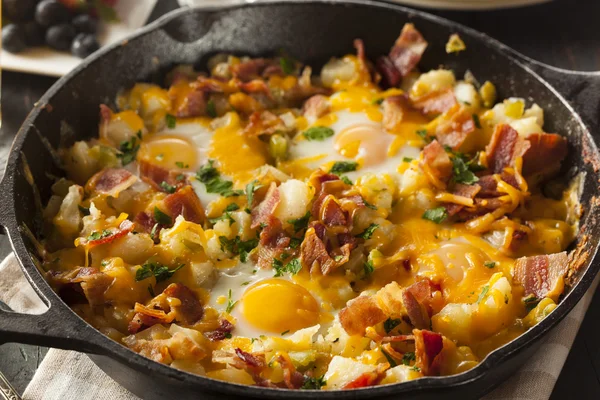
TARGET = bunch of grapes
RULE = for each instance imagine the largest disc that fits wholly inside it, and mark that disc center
(64, 25)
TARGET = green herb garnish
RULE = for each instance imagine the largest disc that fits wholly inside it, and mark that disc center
(484, 291)
(436, 215)
(390, 324)
(168, 188)
(339, 167)
(171, 121)
(490, 264)
(161, 217)
(230, 303)
(160, 271)
(318, 133)
(408, 357)
(367, 233)
(211, 109)
(301, 223)
(313, 383)
(129, 148)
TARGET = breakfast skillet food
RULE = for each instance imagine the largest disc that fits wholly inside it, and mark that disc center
(259, 225)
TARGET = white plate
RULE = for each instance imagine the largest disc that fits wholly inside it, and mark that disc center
(44, 61)
(436, 4)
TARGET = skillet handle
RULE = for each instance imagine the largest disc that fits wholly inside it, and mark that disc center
(580, 89)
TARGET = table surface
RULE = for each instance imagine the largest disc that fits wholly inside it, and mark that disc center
(563, 33)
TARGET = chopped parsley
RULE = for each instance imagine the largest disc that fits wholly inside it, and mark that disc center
(377, 101)
(293, 267)
(408, 357)
(407, 159)
(180, 177)
(318, 133)
(161, 217)
(461, 172)
(346, 180)
(436, 215)
(250, 189)
(129, 149)
(230, 302)
(367, 233)
(483, 293)
(97, 235)
(415, 368)
(168, 188)
(285, 332)
(237, 246)
(301, 223)
(490, 264)
(368, 267)
(151, 291)
(181, 164)
(390, 324)
(423, 134)
(389, 358)
(476, 120)
(232, 207)
(210, 176)
(295, 243)
(171, 121)
(225, 217)
(160, 271)
(369, 205)
(313, 383)
(211, 109)
(339, 167)
(287, 65)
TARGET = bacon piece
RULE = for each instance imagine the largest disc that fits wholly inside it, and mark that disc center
(332, 213)
(314, 250)
(144, 222)
(252, 360)
(469, 191)
(455, 127)
(140, 321)
(251, 69)
(316, 106)
(105, 113)
(185, 202)
(416, 299)
(408, 49)
(193, 104)
(545, 153)
(261, 213)
(256, 86)
(272, 70)
(225, 328)
(273, 242)
(111, 181)
(397, 338)
(428, 351)
(364, 380)
(438, 160)
(387, 69)
(190, 310)
(359, 314)
(155, 176)
(501, 149)
(393, 112)
(541, 275)
(86, 281)
(292, 378)
(436, 102)
(124, 228)
(264, 123)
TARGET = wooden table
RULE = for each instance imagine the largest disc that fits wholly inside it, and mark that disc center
(564, 33)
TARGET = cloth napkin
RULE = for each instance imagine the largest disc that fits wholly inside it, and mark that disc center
(66, 375)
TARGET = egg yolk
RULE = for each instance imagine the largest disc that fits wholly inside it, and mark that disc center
(365, 142)
(277, 305)
(170, 152)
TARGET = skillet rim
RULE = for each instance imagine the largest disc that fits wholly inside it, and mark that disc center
(126, 356)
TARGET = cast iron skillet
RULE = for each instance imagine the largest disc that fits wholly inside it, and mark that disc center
(311, 32)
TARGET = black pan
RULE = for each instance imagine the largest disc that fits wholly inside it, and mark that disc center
(311, 32)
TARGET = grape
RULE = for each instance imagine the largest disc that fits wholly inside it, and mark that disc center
(85, 23)
(51, 12)
(34, 34)
(84, 45)
(59, 37)
(19, 10)
(13, 38)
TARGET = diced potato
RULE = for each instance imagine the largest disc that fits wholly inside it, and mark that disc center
(295, 198)
(537, 112)
(121, 127)
(343, 370)
(232, 375)
(412, 180)
(338, 70)
(203, 273)
(134, 249)
(183, 237)
(432, 81)
(539, 312)
(488, 94)
(526, 126)
(467, 95)
(379, 190)
(400, 373)
(343, 344)
(454, 321)
(68, 219)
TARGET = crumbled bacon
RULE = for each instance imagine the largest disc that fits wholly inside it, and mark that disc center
(408, 49)
(266, 208)
(224, 329)
(501, 149)
(273, 242)
(122, 230)
(332, 213)
(387, 69)
(544, 155)
(144, 222)
(252, 360)
(468, 191)
(393, 112)
(250, 69)
(428, 351)
(416, 299)
(455, 127)
(316, 106)
(438, 160)
(190, 310)
(256, 86)
(185, 202)
(364, 380)
(146, 317)
(314, 250)
(540, 275)
(263, 123)
(111, 181)
(156, 175)
(435, 102)
(359, 314)
(85, 280)
(292, 378)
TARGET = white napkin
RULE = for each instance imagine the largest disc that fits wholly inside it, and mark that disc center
(66, 375)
